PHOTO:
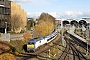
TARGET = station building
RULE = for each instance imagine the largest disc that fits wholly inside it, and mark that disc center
(75, 22)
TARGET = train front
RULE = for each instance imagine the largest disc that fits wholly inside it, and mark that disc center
(31, 45)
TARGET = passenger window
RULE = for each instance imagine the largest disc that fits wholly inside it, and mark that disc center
(40, 41)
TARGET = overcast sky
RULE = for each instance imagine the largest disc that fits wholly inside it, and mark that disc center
(66, 9)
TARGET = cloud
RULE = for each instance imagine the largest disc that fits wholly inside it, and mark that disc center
(33, 15)
(63, 15)
(37, 14)
(70, 14)
(20, 1)
(54, 14)
(32, 1)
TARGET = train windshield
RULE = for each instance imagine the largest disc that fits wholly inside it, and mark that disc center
(30, 45)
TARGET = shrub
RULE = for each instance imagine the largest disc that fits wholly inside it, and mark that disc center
(7, 56)
(18, 44)
(27, 36)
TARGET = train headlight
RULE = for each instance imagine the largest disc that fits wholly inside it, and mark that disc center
(30, 46)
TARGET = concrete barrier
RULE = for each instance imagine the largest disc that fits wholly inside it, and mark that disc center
(5, 37)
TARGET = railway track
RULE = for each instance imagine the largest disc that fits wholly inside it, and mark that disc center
(70, 51)
(50, 46)
(80, 43)
(42, 51)
(65, 53)
(76, 53)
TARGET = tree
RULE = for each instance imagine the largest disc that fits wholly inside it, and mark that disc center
(43, 28)
(30, 23)
(46, 16)
(45, 25)
(16, 23)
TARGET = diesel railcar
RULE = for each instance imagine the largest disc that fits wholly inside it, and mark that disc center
(33, 44)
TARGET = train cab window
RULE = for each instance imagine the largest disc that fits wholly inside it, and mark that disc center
(31, 43)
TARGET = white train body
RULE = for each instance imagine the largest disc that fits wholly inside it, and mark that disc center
(33, 44)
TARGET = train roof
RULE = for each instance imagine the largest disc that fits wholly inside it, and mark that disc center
(37, 39)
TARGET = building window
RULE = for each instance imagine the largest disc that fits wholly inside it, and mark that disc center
(0, 20)
(3, 0)
(2, 10)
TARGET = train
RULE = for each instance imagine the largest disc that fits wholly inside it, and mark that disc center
(33, 44)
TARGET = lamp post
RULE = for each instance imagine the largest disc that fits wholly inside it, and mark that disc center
(87, 38)
(5, 27)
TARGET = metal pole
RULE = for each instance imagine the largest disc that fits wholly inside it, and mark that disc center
(87, 38)
(49, 53)
(62, 32)
(5, 27)
(33, 26)
(87, 49)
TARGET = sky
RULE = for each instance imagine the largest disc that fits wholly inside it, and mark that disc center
(64, 9)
